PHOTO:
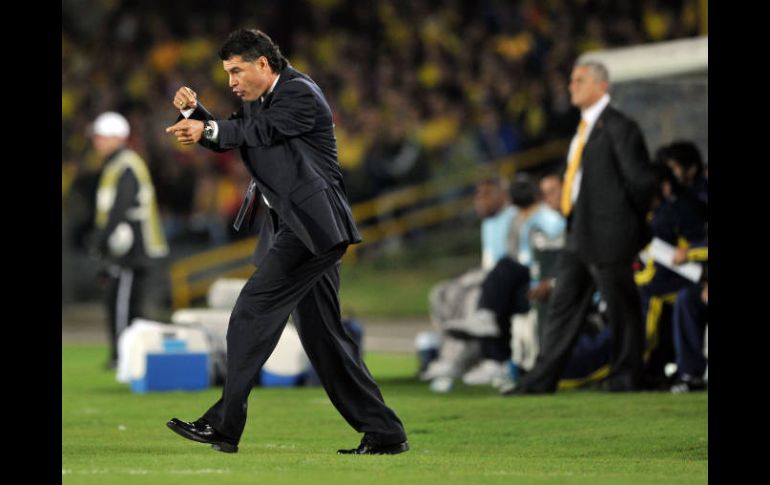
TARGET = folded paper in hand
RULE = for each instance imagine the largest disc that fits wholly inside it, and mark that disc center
(663, 253)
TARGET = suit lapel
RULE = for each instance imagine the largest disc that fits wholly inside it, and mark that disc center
(267, 100)
(598, 128)
(596, 132)
(286, 74)
(251, 108)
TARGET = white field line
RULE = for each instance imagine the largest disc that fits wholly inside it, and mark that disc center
(101, 471)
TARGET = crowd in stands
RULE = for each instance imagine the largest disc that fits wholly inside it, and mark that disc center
(419, 89)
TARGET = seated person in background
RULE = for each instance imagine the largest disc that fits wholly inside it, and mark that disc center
(452, 301)
(677, 220)
(544, 255)
(507, 288)
(684, 159)
(690, 323)
(550, 191)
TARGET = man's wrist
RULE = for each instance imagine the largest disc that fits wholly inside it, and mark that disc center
(210, 130)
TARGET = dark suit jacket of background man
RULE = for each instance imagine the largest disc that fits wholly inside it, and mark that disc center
(298, 175)
(607, 223)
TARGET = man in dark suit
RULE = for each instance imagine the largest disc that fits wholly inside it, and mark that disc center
(608, 187)
(285, 134)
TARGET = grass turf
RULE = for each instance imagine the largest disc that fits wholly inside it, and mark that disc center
(470, 436)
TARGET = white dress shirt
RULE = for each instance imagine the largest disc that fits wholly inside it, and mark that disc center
(590, 115)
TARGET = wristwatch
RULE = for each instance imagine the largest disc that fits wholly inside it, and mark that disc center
(208, 130)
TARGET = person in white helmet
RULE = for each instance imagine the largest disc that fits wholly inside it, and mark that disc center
(129, 237)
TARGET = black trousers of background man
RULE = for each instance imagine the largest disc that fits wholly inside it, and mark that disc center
(291, 279)
(125, 301)
(570, 301)
(503, 291)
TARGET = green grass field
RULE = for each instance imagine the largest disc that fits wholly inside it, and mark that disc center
(471, 436)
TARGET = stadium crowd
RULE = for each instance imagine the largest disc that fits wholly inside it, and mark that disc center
(419, 89)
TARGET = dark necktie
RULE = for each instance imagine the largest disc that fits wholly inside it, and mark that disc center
(247, 206)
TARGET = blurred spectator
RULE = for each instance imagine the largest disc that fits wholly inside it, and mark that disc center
(691, 324)
(684, 159)
(395, 158)
(550, 188)
(677, 221)
(129, 237)
(453, 301)
(505, 291)
(496, 139)
(495, 72)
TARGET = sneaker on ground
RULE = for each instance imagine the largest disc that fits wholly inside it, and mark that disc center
(442, 385)
(688, 384)
(487, 372)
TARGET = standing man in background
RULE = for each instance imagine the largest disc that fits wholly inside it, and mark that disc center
(129, 237)
(608, 187)
(285, 135)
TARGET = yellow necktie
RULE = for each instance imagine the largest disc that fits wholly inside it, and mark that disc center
(572, 168)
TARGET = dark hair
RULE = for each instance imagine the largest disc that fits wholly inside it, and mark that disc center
(661, 155)
(550, 174)
(524, 191)
(493, 179)
(251, 44)
(490, 180)
(663, 173)
(686, 154)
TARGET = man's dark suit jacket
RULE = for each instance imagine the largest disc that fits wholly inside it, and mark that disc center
(607, 223)
(287, 143)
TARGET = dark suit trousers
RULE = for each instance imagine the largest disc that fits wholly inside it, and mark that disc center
(291, 279)
(504, 291)
(571, 299)
(125, 301)
(690, 317)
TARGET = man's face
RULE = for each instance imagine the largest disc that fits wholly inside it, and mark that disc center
(551, 189)
(677, 169)
(104, 145)
(584, 89)
(249, 80)
(489, 200)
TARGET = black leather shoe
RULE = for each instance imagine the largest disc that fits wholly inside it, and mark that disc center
(368, 448)
(519, 389)
(202, 432)
(621, 383)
